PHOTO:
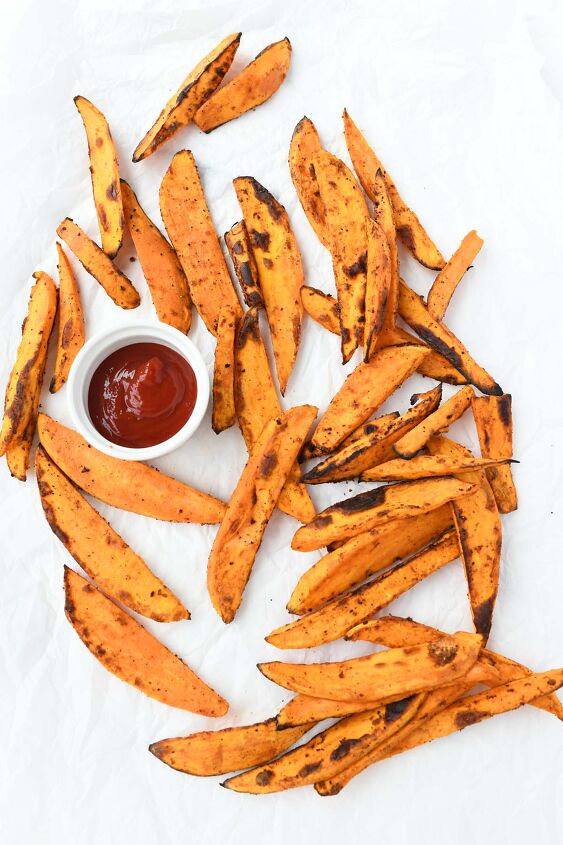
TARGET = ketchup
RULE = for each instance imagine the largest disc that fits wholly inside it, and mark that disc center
(141, 395)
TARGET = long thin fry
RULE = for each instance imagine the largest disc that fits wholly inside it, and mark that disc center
(449, 277)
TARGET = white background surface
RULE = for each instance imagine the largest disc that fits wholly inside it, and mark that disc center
(462, 100)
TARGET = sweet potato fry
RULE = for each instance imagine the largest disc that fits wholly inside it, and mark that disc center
(190, 228)
(449, 277)
(200, 83)
(335, 619)
(346, 214)
(251, 505)
(365, 389)
(425, 466)
(117, 286)
(493, 419)
(224, 371)
(328, 752)
(305, 143)
(244, 263)
(228, 750)
(255, 84)
(256, 402)
(383, 214)
(19, 451)
(127, 650)
(71, 322)
(322, 307)
(437, 335)
(27, 373)
(416, 439)
(378, 286)
(408, 226)
(162, 270)
(99, 550)
(104, 170)
(279, 269)
(129, 485)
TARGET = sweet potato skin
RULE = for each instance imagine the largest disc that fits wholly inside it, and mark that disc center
(413, 441)
(224, 414)
(305, 143)
(72, 333)
(447, 280)
(493, 419)
(244, 263)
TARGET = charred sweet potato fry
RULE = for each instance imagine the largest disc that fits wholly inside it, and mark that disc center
(129, 485)
(190, 228)
(99, 550)
(19, 451)
(322, 307)
(378, 286)
(280, 271)
(25, 379)
(425, 466)
(104, 170)
(71, 322)
(200, 83)
(335, 619)
(305, 143)
(117, 286)
(228, 750)
(408, 226)
(224, 371)
(493, 419)
(255, 84)
(244, 263)
(251, 505)
(416, 439)
(449, 277)
(365, 389)
(127, 650)
(383, 214)
(159, 262)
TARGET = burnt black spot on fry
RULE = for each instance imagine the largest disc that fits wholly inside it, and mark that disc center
(396, 708)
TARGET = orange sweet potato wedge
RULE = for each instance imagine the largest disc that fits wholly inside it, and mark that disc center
(19, 451)
(493, 419)
(425, 466)
(416, 439)
(71, 322)
(322, 307)
(383, 214)
(224, 414)
(244, 263)
(378, 286)
(449, 277)
(305, 143)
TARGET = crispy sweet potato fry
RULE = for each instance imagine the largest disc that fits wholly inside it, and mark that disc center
(200, 83)
(255, 84)
(129, 485)
(256, 402)
(364, 390)
(449, 277)
(27, 373)
(224, 371)
(219, 752)
(19, 451)
(378, 286)
(104, 170)
(413, 441)
(190, 228)
(251, 505)
(279, 269)
(493, 419)
(127, 650)
(346, 214)
(71, 322)
(425, 466)
(305, 143)
(117, 286)
(161, 267)
(322, 307)
(409, 228)
(244, 263)
(99, 550)
(328, 752)
(383, 214)
(335, 619)
(437, 335)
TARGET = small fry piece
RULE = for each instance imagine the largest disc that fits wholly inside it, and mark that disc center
(437, 335)
(322, 307)
(251, 505)
(255, 84)
(99, 550)
(127, 650)
(375, 507)
(378, 286)
(415, 440)
(449, 277)
(200, 83)
(365, 389)
(104, 170)
(26, 376)
(425, 466)
(409, 228)
(335, 619)
(244, 263)
(71, 322)
(190, 228)
(305, 143)
(280, 270)
(493, 419)
(224, 371)
(219, 752)
(161, 268)
(117, 286)
(383, 214)
(129, 485)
